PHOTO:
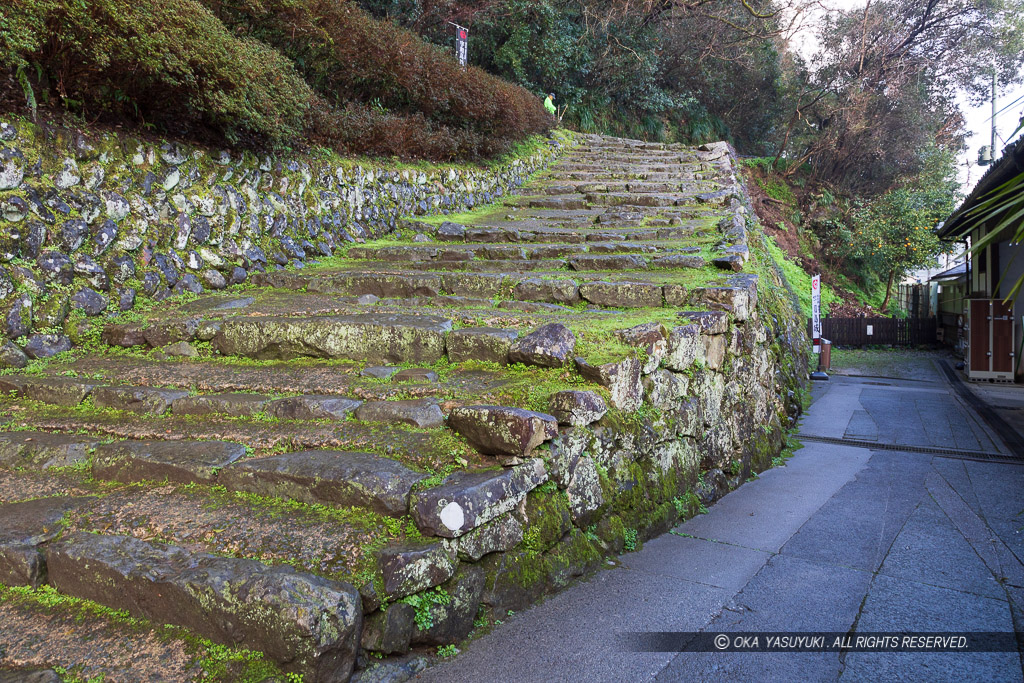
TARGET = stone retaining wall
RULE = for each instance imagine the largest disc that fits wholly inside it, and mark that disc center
(90, 223)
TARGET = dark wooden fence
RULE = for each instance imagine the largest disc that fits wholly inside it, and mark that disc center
(888, 331)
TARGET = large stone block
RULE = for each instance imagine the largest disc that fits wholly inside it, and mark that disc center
(307, 624)
(497, 430)
(469, 499)
(333, 477)
(376, 338)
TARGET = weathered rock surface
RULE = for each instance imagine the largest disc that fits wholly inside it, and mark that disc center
(497, 430)
(333, 477)
(24, 528)
(487, 344)
(59, 391)
(622, 379)
(377, 338)
(40, 450)
(307, 624)
(235, 405)
(504, 533)
(408, 569)
(469, 499)
(577, 408)
(11, 357)
(390, 630)
(177, 461)
(46, 345)
(137, 399)
(312, 407)
(622, 294)
(421, 412)
(452, 621)
(549, 346)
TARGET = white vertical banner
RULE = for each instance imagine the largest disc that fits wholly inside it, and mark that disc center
(816, 313)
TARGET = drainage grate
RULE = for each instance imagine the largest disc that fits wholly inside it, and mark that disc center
(931, 450)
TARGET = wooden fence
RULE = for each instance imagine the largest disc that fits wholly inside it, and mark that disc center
(888, 331)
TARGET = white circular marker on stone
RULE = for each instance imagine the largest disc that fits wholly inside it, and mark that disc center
(452, 516)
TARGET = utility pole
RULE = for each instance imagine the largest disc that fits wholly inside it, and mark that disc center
(993, 148)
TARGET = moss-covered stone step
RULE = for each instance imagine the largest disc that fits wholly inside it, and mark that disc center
(43, 450)
(316, 623)
(418, 447)
(45, 631)
(24, 529)
(369, 337)
(331, 477)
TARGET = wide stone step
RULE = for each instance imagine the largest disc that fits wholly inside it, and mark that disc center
(42, 450)
(175, 461)
(331, 477)
(420, 447)
(378, 338)
(307, 624)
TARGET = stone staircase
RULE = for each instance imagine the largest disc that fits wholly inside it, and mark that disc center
(371, 456)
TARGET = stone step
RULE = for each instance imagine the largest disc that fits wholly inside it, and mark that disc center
(598, 245)
(40, 637)
(378, 338)
(330, 477)
(175, 461)
(421, 448)
(43, 450)
(25, 528)
(307, 624)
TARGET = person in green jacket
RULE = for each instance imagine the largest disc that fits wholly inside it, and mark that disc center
(549, 104)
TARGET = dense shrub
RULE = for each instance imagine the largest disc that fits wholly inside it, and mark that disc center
(166, 61)
(348, 56)
(265, 71)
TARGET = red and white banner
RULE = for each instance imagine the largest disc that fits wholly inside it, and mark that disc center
(816, 313)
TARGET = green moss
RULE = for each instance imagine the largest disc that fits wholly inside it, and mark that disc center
(548, 518)
(215, 662)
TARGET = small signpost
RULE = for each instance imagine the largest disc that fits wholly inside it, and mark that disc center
(816, 313)
(816, 325)
(461, 44)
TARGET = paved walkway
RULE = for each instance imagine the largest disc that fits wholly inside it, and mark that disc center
(841, 538)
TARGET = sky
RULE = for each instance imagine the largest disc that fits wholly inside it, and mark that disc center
(977, 118)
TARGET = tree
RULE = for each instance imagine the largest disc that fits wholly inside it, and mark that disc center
(882, 85)
(893, 233)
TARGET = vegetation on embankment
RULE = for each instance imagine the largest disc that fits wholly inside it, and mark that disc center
(261, 72)
(861, 245)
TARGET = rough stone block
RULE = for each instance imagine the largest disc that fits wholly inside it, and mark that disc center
(549, 346)
(577, 408)
(372, 337)
(312, 407)
(497, 430)
(178, 461)
(236, 405)
(622, 294)
(137, 399)
(488, 344)
(40, 450)
(333, 477)
(621, 378)
(307, 624)
(410, 568)
(423, 412)
(24, 528)
(469, 499)
(58, 391)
